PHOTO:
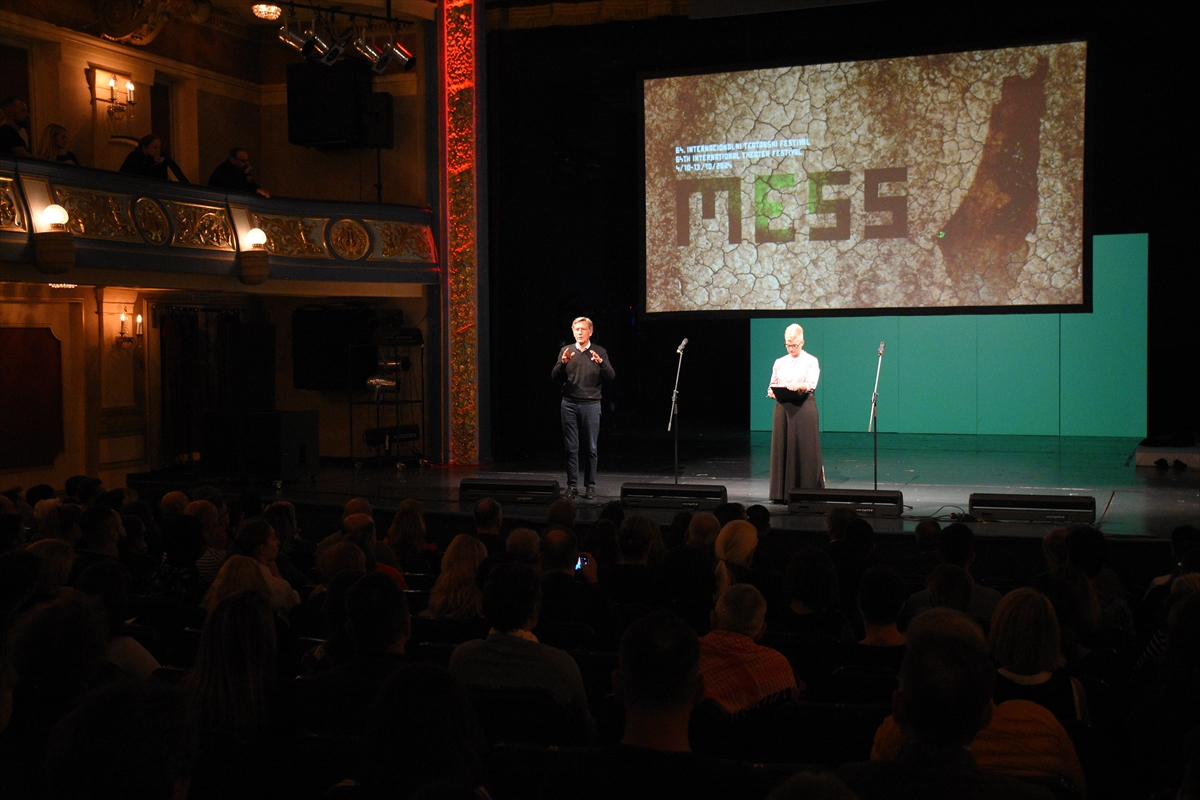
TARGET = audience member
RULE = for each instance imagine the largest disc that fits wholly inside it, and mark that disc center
(812, 785)
(147, 160)
(811, 587)
(881, 595)
(1087, 550)
(456, 594)
(173, 504)
(522, 546)
(511, 655)
(488, 519)
(738, 673)
(421, 728)
(1054, 548)
(108, 581)
(238, 574)
(956, 547)
(233, 174)
(378, 624)
(851, 552)
(1025, 644)
(14, 117)
(561, 514)
(296, 555)
(256, 539)
(658, 681)
(944, 701)
(572, 596)
(914, 566)
(56, 558)
(216, 537)
(359, 529)
(1019, 739)
(734, 551)
(677, 531)
(407, 539)
(130, 740)
(631, 581)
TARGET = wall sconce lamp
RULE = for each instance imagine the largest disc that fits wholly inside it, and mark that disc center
(255, 262)
(53, 244)
(116, 108)
(123, 337)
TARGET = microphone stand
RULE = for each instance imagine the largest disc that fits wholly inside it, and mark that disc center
(673, 420)
(873, 424)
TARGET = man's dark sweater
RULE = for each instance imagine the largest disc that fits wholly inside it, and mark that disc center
(581, 377)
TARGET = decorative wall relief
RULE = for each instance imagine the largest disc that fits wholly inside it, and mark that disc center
(11, 216)
(349, 240)
(404, 241)
(204, 227)
(152, 221)
(95, 214)
(293, 236)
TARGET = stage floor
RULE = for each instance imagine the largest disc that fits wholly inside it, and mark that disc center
(936, 473)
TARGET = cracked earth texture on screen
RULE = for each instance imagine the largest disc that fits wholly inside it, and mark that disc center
(934, 181)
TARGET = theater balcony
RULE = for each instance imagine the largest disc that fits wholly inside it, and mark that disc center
(125, 230)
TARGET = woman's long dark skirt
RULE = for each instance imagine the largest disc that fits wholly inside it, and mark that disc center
(796, 448)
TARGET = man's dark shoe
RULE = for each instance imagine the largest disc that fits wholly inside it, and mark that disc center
(591, 493)
(571, 493)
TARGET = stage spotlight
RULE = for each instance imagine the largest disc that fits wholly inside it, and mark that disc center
(367, 51)
(293, 39)
(400, 54)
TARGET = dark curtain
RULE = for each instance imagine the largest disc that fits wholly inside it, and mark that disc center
(182, 383)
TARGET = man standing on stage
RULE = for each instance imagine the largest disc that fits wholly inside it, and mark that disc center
(581, 368)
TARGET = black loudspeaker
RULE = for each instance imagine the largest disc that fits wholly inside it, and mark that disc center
(270, 445)
(334, 107)
(333, 347)
(1032, 508)
(508, 491)
(696, 497)
(864, 502)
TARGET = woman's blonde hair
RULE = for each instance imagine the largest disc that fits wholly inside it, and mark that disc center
(46, 148)
(1024, 637)
(238, 574)
(735, 546)
(456, 594)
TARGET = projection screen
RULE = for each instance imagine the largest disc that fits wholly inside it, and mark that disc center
(941, 182)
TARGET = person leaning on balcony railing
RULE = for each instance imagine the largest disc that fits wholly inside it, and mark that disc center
(233, 174)
(14, 115)
(149, 161)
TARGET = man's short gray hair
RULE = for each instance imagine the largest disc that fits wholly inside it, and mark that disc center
(741, 609)
(583, 319)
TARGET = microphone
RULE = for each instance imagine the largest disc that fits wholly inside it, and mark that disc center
(881, 344)
(682, 345)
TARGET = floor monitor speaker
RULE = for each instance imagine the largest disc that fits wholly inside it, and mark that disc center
(509, 491)
(864, 502)
(693, 497)
(1057, 508)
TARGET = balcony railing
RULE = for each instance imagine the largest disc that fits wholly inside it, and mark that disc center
(124, 222)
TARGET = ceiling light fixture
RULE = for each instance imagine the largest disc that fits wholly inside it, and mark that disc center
(267, 11)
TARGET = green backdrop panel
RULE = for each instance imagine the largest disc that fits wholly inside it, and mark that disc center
(938, 358)
(1018, 374)
(851, 347)
(1103, 376)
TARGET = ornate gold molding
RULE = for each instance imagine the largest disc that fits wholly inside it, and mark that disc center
(294, 237)
(95, 214)
(349, 240)
(403, 241)
(12, 218)
(201, 227)
(152, 221)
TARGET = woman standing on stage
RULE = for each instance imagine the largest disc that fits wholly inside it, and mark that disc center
(795, 428)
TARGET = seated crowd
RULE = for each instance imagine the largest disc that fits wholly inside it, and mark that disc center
(208, 647)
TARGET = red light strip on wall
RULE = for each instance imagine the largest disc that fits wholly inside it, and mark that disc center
(459, 198)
